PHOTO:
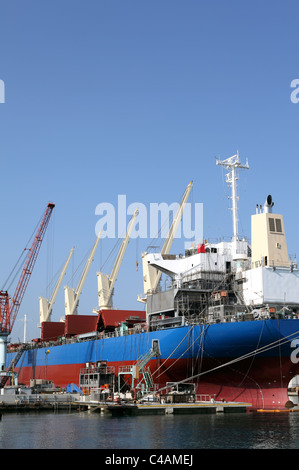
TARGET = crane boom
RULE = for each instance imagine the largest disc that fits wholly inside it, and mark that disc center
(45, 306)
(105, 282)
(9, 311)
(151, 275)
(176, 221)
(72, 296)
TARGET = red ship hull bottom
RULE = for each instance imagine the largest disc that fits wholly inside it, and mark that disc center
(260, 382)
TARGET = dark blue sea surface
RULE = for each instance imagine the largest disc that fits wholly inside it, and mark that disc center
(87, 430)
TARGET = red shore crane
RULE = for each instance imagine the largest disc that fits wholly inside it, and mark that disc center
(9, 310)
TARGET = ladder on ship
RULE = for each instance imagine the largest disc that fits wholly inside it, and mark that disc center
(148, 379)
(139, 367)
(9, 371)
(154, 351)
(145, 371)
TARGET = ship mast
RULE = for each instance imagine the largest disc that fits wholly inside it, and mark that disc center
(233, 164)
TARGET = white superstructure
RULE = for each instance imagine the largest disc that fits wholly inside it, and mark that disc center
(223, 281)
(215, 258)
(273, 278)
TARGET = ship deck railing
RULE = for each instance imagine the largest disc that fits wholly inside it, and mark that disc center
(205, 397)
(36, 398)
(188, 321)
(124, 369)
(98, 370)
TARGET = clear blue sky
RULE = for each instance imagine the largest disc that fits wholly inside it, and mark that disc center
(138, 98)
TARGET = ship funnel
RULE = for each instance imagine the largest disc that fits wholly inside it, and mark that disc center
(268, 204)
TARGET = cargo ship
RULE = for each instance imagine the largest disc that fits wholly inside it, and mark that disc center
(228, 321)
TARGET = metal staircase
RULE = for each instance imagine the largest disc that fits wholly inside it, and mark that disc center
(140, 368)
(148, 379)
(145, 371)
(10, 369)
(154, 351)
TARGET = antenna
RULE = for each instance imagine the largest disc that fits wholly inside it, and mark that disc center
(233, 164)
(25, 326)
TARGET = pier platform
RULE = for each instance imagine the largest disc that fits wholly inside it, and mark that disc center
(42, 402)
(129, 409)
(72, 402)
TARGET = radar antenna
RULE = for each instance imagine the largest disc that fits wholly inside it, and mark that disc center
(233, 164)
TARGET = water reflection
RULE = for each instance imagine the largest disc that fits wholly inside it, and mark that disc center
(95, 431)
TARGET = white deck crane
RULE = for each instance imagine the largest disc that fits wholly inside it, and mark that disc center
(105, 282)
(71, 295)
(46, 306)
(151, 275)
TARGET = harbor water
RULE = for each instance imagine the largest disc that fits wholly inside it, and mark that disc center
(88, 430)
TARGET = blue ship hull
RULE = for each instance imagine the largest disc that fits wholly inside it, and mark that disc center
(249, 361)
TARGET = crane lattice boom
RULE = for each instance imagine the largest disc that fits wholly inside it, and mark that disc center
(9, 310)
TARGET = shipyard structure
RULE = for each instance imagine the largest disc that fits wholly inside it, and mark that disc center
(225, 319)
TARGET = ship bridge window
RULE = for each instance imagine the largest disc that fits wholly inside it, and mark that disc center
(213, 250)
(278, 225)
(271, 225)
(275, 225)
